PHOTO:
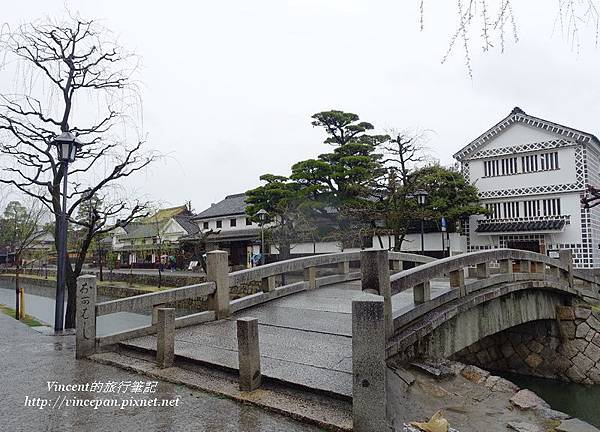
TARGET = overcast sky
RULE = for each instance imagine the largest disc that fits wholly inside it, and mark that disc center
(229, 86)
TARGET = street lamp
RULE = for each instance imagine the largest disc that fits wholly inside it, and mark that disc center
(67, 145)
(262, 216)
(421, 196)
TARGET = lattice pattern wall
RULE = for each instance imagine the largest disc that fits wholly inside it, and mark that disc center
(592, 177)
(523, 148)
(579, 185)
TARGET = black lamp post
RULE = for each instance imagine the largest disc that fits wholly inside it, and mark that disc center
(67, 145)
(421, 196)
(262, 216)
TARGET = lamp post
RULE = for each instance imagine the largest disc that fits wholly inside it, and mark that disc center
(262, 216)
(421, 196)
(67, 146)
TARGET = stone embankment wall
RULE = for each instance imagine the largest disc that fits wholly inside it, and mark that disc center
(567, 349)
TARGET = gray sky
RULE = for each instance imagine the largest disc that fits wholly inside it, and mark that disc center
(229, 86)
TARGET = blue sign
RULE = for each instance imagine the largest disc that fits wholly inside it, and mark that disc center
(444, 225)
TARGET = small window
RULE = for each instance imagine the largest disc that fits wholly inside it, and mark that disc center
(219, 224)
(204, 225)
(248, 221)
(232, 222)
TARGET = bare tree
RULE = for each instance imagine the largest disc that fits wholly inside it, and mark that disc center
(394, 203)
(490, 23)
(74, 79)
(591, 198)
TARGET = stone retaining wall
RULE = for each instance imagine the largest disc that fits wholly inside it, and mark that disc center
(567, 349)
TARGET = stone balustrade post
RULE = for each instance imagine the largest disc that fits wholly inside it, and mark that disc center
(267, 284)
(375, 279)
(368, 365)
(565, 256)
(506, 266)
(524, 266)
(155, 309)
(483, 270)
(396, 265)
(457, 281)
(310, 276)
(343, 267)
(165, 337)
(217, 271)
(422, 292)
(248, 354)
(85, 317)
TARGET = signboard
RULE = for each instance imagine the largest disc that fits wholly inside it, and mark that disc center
(444, 225)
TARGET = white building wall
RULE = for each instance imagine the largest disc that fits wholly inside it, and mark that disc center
(578, 165)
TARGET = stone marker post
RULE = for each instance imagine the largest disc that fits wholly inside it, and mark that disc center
(375, 279)
(565, 257)
(248, 354)
(165, 337)
(217, 271)
(85, 318)
(368, 365)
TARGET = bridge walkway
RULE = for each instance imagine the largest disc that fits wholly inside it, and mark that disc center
(305, 338)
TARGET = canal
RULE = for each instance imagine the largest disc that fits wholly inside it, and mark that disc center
(39, 303)
(577, 400)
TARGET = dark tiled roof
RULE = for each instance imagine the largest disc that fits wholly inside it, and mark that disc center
(187, 224)
(518, 115)
(496, 227)
(231, 205)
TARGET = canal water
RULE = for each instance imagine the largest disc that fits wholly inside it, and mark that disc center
(577, 400)
(39, 303)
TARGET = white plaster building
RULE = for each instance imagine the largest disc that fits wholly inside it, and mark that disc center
(532, 174)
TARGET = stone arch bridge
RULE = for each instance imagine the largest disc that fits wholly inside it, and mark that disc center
(332, 322)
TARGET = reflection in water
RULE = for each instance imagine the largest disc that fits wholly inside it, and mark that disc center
(39, 303)
(577, 400)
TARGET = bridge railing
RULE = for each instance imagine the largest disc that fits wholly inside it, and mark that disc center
(375, 324)
(217, 292)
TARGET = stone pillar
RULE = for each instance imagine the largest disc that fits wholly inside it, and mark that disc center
(85, 317)
(396, 265)
(248, 354)
(155, 309)
(343, 267)
(422, 292)
(506, 266)
(457, 281)
(217, 271)
(267, 284)
(483, 270)
(165, 337)
(375, 279)
(565, 257)
(310, 276)
(368, 365)
(524, 266)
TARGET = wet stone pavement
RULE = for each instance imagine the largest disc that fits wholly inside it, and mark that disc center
(305, 338)
(30, 359)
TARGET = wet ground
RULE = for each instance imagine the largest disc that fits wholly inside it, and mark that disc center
(30, 359)
(305, 338)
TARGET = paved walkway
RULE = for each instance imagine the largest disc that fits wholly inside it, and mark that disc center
(30, 359)
(305, 338)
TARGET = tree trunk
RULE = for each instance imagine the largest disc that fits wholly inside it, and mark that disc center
(71, 281)
(101, 275)
(17, 287)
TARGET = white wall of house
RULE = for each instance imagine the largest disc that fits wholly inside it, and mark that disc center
(565, 183)
(206, 224)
